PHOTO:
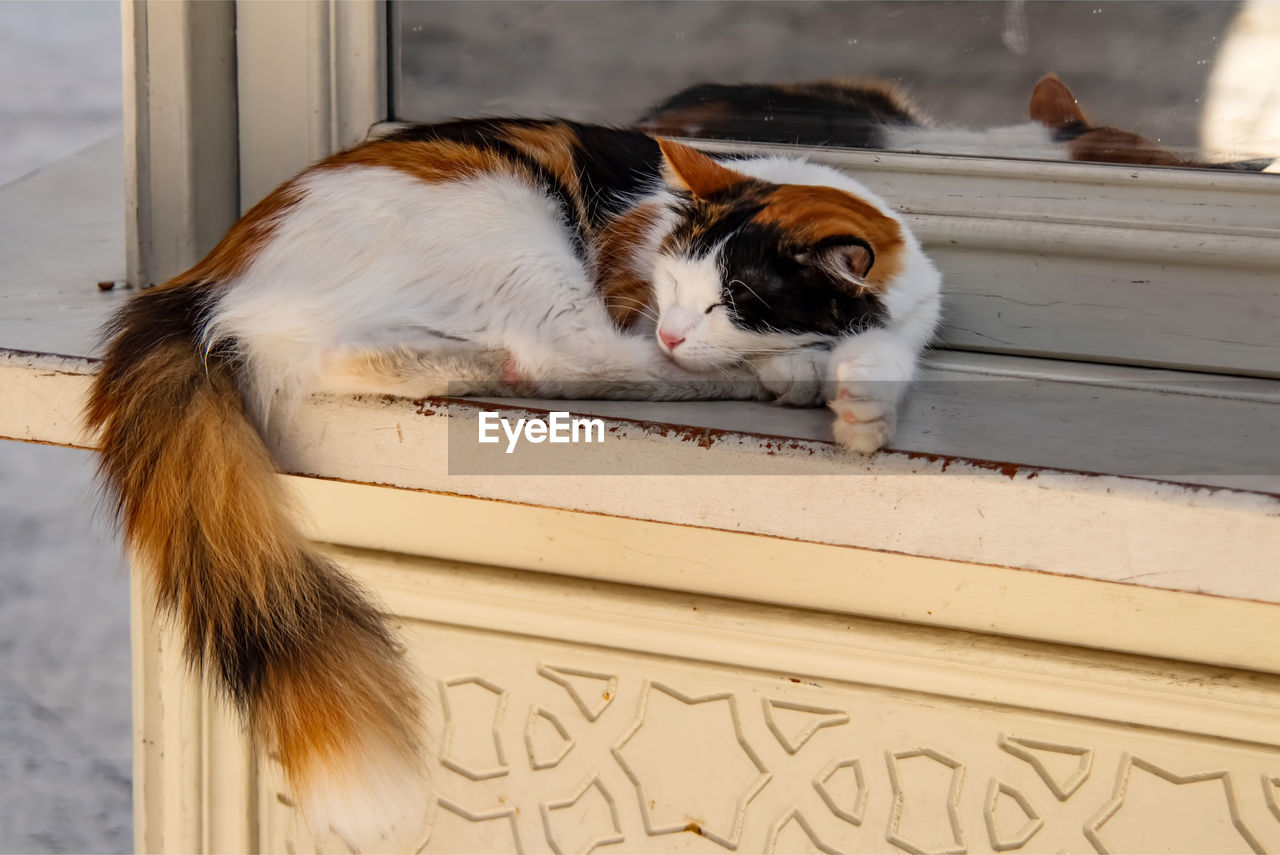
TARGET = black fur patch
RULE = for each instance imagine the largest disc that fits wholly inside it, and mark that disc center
(802, 114)
(703, 226)
(156, 316)
(614, 166)
(1071, 130)
(768, 289)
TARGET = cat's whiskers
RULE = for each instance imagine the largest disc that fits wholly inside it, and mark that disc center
(733, 303)
(752, 290)
(638, 307)
(642, 306)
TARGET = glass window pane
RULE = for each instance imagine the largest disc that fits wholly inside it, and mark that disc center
(1158, 82)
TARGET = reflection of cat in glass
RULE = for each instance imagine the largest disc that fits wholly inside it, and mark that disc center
(877, 114)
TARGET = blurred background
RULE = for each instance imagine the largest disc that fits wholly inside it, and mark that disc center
(65, 755)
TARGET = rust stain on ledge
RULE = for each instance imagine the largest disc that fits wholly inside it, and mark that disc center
(423, 406)
(1009, 470)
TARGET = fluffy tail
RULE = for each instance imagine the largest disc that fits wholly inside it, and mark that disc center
(290, 639)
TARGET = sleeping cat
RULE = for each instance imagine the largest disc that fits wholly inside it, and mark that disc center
(878, 114)
(484, 256)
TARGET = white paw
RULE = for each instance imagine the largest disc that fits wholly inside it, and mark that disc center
(794, 379)
(864, 400)
(862, 425)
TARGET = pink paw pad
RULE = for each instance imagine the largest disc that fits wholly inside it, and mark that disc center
(511, 372)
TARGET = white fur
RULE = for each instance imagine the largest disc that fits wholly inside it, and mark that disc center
(378, 282)
(376, 261)
(370, 793)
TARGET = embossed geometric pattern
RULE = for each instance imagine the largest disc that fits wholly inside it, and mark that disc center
(843, 788)
(711, 798)
(455, 828)
(473, 711)
(586, 819)
(1271, 794)
(697, 757)
(795, 724)
(1169, 836)
(546, 739)
(1041, 754)
(998, 794)
(592, 692)
(793, 834)
(919, 801)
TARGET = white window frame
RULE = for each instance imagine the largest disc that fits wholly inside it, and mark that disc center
(219, 110)
(1091, 262)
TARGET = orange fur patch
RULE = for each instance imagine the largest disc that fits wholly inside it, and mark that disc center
(813, 214)
(1109, 145)
(1053, 105)
(431, 161)
(553, 148)
(625, 289)
(713, 116)
(694, 171)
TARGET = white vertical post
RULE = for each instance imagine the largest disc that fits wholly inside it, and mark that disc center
(181, 148)
(312, 80)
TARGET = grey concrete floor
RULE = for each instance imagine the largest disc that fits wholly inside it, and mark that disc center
(65, 768)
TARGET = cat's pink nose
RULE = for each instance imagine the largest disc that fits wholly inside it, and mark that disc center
(670, 339)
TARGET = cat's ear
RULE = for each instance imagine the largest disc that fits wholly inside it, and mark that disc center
(1053, 105)
(692, 170)
(845, 257)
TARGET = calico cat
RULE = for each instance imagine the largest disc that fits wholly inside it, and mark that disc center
(878, 114)
(482, 256)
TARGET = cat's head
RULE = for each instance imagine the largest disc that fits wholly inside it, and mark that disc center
(1053, 106)
(752, 267)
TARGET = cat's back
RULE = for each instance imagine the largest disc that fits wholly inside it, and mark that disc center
(839, 112)
(431, 224)
(447, 199)
(589, 172)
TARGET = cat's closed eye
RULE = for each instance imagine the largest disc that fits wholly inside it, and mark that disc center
(712, 307)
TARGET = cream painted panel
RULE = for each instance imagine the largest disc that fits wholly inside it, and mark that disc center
(573, 716)
(561, 748)
(784, 571)
(1219, 317)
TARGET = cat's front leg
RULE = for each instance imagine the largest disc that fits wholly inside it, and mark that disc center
(869, 374)
(796, 378)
